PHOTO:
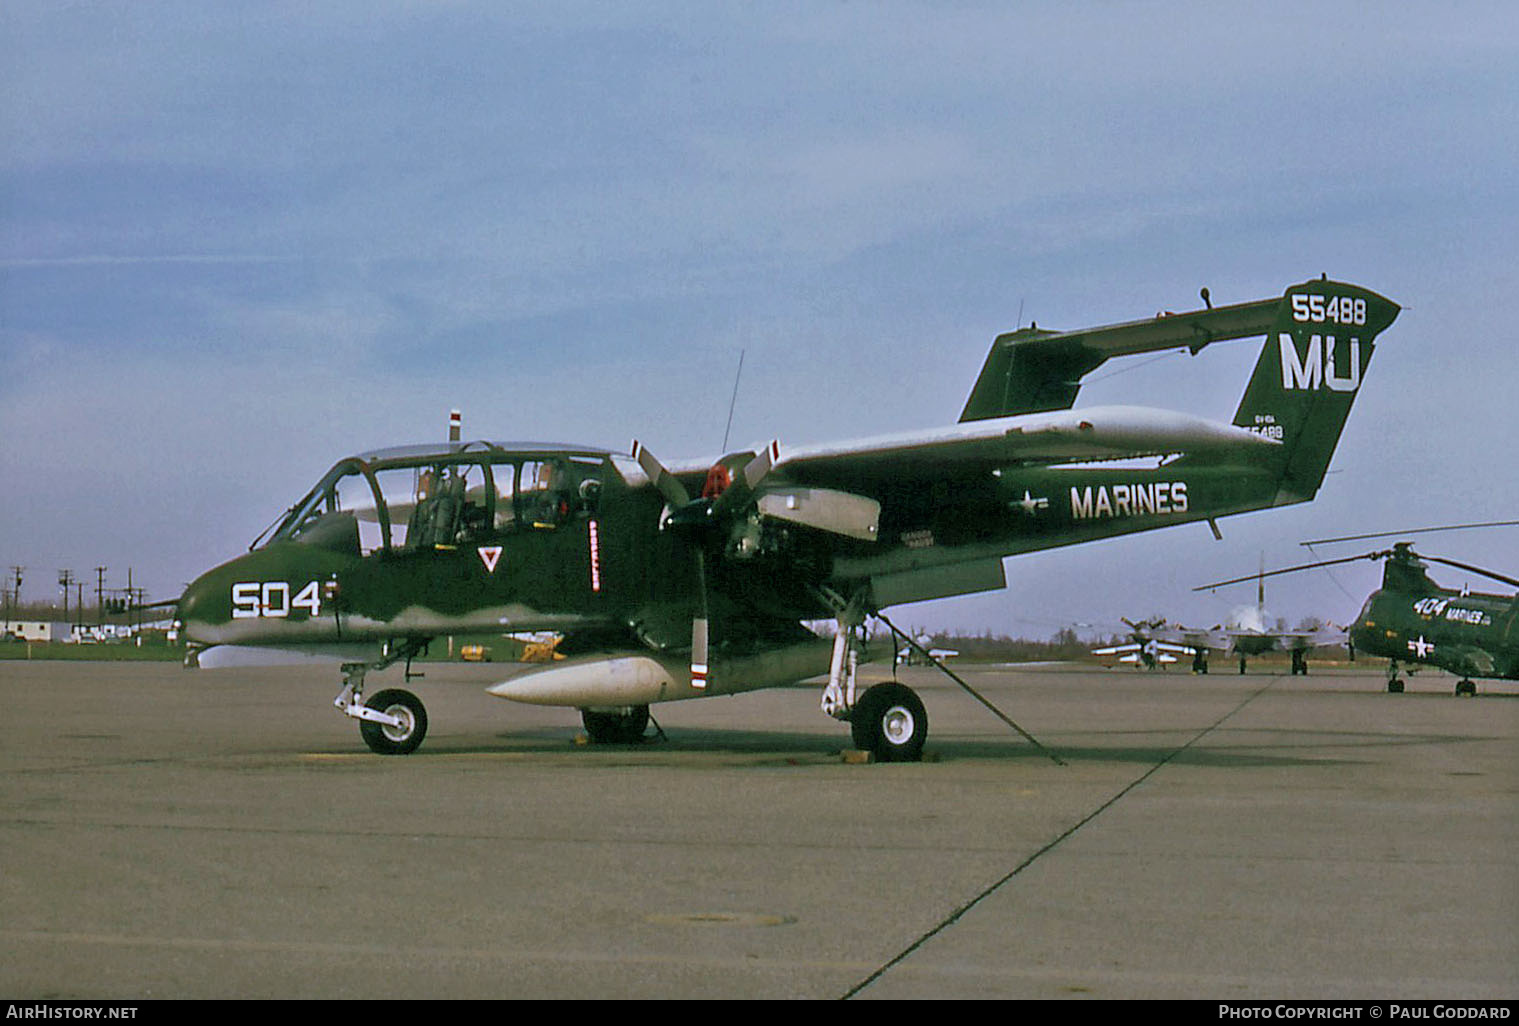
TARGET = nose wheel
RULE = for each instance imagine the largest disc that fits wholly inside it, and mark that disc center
(394, 721)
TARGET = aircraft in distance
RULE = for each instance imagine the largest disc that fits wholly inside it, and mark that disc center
(1413, 621)
(1248, 634)
(908, 655)
(695, 579)
(1146, 646)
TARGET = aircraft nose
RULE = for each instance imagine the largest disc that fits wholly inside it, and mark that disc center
(197, 605)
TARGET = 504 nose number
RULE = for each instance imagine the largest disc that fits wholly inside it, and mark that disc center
(274, 599)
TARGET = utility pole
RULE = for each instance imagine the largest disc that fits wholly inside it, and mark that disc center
(65, 578)
(100, 596)
(13, 600)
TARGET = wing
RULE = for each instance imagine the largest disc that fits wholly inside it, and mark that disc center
(1116, 649)
(1289, 641)
(1101, 433)
(1153, 647)
(1195, 638)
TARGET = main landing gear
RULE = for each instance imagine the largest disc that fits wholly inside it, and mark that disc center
(619, 727)
(394, 721)
(1465, 687)
(888, 720)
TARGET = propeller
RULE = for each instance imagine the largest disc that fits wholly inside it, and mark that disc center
(696, 518)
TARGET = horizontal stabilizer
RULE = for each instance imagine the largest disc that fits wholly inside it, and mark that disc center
(1031, 371)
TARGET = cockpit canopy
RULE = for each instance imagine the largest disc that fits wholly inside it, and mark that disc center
(448, 494)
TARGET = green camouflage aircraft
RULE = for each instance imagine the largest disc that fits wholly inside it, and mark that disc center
(688, 580)
(1413, 621)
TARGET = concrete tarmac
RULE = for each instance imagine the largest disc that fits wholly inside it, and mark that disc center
(225, 834)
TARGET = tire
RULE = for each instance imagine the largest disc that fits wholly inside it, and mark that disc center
(1395, 687)
(384, 739)
(889, 721)
(1466, 687)
(606, 728)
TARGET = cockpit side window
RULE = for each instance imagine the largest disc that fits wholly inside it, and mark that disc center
(588, 473)
(437, 501)
(543, 500)
(505, 476)
(328, 516)
(548, 490)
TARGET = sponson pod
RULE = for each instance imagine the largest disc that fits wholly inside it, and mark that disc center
(643, 678)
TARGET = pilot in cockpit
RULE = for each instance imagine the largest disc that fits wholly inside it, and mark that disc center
(553, 499)
(440, 505)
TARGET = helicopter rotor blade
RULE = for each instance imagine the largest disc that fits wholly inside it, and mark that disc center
(1472, 569)
(1416, 530)
(1291, 570)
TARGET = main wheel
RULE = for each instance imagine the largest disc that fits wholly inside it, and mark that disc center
(616, 728)
(1395, 687)
(1465, 687)
(889, 721)
(384, 739)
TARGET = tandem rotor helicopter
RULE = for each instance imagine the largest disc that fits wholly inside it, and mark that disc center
(686, 580)
(1412, 621)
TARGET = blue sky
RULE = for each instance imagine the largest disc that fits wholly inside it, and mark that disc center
(240, 241)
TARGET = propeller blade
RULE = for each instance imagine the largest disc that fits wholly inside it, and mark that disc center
(667, 483)
(699, 654)
(747, 480)
(699, 665)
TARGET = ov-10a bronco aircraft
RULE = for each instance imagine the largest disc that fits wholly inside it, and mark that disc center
(693, 579)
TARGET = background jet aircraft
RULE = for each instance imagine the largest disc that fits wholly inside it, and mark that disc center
(694, 579)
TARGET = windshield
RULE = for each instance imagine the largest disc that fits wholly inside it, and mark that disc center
(440, 500)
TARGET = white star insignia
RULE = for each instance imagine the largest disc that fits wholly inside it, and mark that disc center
(1031, 504)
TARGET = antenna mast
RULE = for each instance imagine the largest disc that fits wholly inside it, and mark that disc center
(733, 401)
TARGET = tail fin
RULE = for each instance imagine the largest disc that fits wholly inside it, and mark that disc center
(1310, 369)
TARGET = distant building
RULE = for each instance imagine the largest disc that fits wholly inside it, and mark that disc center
(34, 630)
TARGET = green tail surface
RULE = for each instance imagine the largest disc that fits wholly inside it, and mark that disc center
(1314, 359)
